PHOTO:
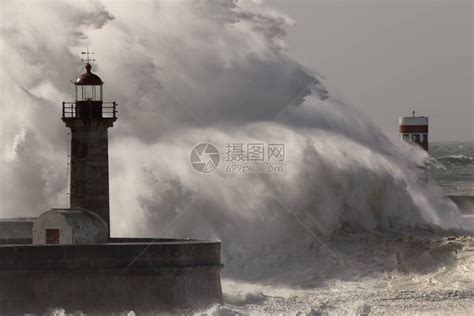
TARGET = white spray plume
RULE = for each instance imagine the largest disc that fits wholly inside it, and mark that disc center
(186, 72)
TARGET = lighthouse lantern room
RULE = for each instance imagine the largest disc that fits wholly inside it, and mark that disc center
(88, 86)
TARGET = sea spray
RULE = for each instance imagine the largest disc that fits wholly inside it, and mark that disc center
(183, 76)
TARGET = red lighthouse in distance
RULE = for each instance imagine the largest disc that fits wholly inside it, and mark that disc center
(414, 129)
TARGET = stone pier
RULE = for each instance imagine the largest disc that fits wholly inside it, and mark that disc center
(143, 275)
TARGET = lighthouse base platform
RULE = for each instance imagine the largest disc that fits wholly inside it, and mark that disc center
(142, 275)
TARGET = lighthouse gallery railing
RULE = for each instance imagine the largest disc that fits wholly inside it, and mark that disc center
(108, 110)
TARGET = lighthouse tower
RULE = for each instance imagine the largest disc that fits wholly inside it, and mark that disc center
(89, 118)
(414, 129)
(66, 257)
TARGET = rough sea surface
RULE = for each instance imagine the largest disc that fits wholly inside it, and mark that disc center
(417, 272)
(452, 166)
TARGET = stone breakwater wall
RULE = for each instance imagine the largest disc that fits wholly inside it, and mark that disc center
(143, 275)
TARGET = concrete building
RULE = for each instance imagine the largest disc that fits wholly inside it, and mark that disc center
(414, 129)
(69, 226)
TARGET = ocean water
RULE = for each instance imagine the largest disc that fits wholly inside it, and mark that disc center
(417, 272)
(452, 166)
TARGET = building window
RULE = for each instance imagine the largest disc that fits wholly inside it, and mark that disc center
(416, 138)
(52, 236)
(406, 137)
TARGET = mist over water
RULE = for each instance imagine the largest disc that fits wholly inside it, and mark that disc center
(187, 72)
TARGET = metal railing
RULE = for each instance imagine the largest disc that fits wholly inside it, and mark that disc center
(91, 109)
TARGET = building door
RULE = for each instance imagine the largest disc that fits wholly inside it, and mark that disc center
(52, 236)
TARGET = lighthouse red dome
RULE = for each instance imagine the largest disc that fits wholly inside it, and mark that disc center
(88, 78)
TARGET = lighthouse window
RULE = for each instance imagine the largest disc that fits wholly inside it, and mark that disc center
(91, 93)
(85, 92)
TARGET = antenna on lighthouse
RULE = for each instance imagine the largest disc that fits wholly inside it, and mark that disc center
(88, 57)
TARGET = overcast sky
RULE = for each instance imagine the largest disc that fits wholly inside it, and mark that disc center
(388, 57)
